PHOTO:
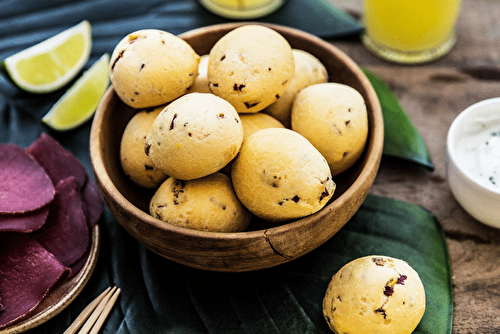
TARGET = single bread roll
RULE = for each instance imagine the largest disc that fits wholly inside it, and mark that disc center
(200, 84)
(278, 175)
(334, 119)
(205, 204)
(253, 123)
(138, 167)
(250, 67)
(308, 71)
(374, 294)
(151, 67)
(258, 121)
(194, 136)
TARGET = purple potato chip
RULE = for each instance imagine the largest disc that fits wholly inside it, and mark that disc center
(58, 162)
(24, 222)
(78, 265)
(66, 233)
(28, 272)
(94, 202)
(24, 184)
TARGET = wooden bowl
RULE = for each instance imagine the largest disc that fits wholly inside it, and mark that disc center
(264, 245)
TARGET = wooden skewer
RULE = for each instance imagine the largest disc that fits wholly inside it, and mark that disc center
(85, 313)
(92, 313)
(93, 317)
(105, 312)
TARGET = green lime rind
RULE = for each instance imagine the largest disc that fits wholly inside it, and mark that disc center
(8, 65)
(5, 73)
(79, 102)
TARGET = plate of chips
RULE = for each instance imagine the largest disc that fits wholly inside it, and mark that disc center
(49, 232)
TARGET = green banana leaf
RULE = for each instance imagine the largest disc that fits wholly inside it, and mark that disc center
(160, 296)
(401, 137)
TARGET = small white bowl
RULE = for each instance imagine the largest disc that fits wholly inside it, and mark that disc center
(473, 160)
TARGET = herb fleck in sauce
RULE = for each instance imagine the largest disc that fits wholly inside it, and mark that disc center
(479, 152)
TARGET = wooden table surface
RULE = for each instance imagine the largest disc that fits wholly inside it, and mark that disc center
(433, 95)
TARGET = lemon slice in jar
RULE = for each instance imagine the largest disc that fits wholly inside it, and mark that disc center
(52, 63)
(80, 101)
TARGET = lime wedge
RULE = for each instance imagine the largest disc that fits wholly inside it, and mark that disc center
(52, 63)
(80, 101)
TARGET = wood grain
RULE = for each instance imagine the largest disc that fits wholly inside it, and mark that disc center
(259, 247)
(433, 95)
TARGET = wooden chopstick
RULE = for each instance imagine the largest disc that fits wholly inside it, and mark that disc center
(85, 313)
(105, 312)
(93, 316)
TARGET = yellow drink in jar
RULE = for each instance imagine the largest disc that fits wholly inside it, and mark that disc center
(410, 31)
(242, 9)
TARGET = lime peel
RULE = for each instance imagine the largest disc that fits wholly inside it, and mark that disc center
(52, 63)
(80, 101)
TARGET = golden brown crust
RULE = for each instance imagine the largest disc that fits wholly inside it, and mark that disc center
(334, 119)
(278, 175)
(194, 136)
(308, 71)
(250, 67)
(206, 204)
(200, 84)
(138, 167)
(258, 121)
(374, 294)
(151, 67)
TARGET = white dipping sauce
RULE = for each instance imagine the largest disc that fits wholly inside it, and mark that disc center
(478, 151)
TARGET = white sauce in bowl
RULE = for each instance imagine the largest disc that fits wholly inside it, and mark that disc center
(478, 150)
